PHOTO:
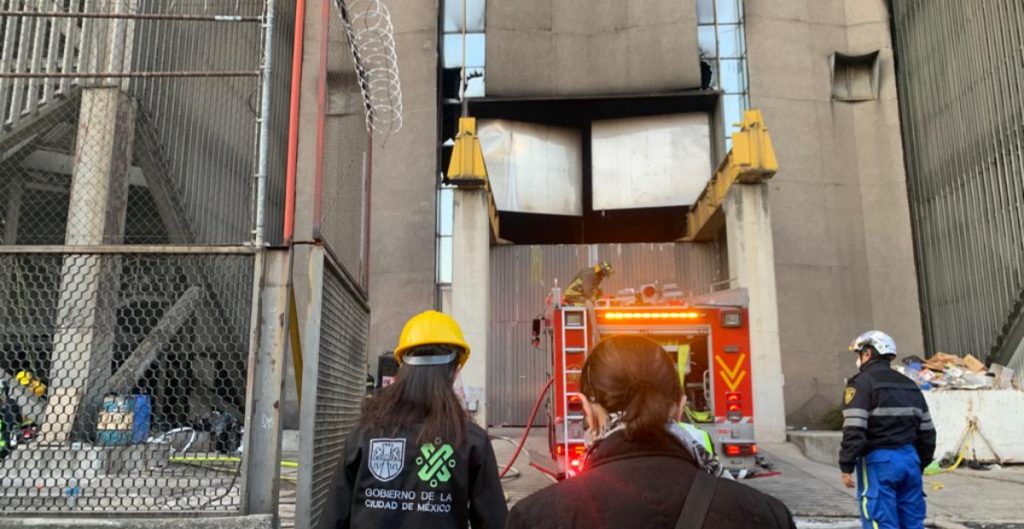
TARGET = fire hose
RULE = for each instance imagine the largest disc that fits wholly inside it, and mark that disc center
(529, 426)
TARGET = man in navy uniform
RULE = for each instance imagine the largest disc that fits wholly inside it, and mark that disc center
(888, 438)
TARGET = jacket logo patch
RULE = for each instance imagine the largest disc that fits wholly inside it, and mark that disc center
(850, 393)
(435, 463)
(387, 458)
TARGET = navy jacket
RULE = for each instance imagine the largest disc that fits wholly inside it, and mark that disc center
(884, 409)
(397, 483)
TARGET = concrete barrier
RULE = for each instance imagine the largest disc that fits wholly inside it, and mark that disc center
(997, 414)
(818, 446)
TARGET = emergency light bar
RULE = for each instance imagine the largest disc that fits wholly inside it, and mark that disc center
(649, 316)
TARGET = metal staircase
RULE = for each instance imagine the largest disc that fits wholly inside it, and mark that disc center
(37, 56)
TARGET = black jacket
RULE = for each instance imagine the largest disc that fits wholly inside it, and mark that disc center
(884, 409)
(642, 486)
(396, 483)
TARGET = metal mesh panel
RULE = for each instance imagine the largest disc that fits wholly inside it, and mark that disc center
(961, 98)
(345, 158)
(340, 383)
(280, 99)
(147, 110)
(126, 381)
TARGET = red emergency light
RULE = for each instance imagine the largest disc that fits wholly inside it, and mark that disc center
(649, 316)
(740, 449)
(734, 406)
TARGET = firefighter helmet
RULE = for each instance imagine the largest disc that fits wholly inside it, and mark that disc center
(605, 268)
(882, 343)
(431, 328)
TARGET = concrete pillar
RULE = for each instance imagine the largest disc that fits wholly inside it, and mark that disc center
(471, 242)
(268, 349)
(752, 262)
(83, 344)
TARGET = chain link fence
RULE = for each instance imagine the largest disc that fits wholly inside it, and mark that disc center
(332, 398)
(126, 380)
(346, 158)
(135, 140)
(160, 98)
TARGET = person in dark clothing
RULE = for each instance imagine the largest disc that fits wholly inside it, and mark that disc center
(10, 419)
(586, 284)
(636, 473)
(416, 458)
(888, 438)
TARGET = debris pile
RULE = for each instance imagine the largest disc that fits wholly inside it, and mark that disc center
(945, 371)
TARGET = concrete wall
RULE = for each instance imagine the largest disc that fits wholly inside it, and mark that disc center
(843, 248)
(402, 247)
(578, 47)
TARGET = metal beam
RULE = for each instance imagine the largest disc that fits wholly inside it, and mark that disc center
(127, 249)
(135, 366)
(55, 162)
(751, 161)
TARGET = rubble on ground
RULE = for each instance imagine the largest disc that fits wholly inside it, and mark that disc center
(945, 371)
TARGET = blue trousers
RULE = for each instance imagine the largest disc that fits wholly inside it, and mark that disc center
(890, 489)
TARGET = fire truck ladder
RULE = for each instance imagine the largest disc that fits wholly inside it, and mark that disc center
(572, 353)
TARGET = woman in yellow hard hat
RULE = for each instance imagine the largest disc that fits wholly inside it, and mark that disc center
(416, 458)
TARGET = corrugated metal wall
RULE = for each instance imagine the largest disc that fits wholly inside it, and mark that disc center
(521, 277)
(960, 74)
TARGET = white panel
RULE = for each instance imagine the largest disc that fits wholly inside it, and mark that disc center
(533, 168)
(951, 411)
(650, 162)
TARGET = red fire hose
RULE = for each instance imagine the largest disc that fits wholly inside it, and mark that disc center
(529, 425)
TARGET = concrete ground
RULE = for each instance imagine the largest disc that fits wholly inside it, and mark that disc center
(813, 491)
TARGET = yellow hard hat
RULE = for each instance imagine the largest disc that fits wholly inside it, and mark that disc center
(431, 328)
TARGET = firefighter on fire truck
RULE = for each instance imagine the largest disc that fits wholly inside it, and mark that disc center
(586, 285)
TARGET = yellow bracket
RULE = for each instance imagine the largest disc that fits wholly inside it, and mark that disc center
(295, 335)
(751, 161)
(467, 166)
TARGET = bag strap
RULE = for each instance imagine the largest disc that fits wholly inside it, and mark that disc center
(698, 501)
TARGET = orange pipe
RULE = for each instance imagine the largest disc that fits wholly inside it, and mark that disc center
(293, 122)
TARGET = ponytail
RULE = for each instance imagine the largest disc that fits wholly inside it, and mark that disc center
(647, 411)
(635, 376)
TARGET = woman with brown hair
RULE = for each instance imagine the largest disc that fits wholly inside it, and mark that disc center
(416, 458)
(637, 472)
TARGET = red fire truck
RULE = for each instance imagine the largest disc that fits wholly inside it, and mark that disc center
(708, 336)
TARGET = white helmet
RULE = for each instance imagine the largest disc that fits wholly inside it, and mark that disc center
(882, 343)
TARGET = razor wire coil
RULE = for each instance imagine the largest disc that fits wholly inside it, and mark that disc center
(372, 41)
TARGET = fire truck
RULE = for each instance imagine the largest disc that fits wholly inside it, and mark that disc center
(708, 338)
